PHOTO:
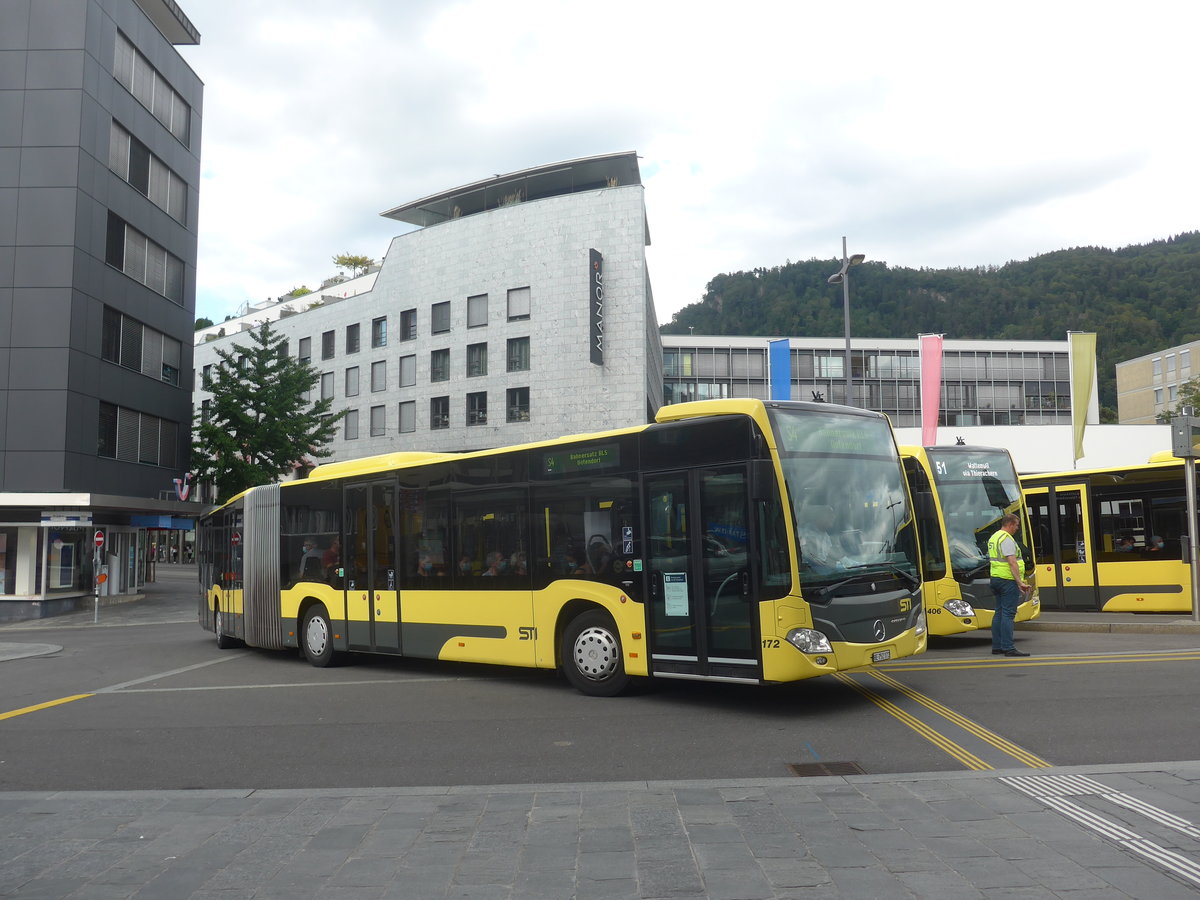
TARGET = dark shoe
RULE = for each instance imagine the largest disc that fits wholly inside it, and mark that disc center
(1014, 652)
(996, 652)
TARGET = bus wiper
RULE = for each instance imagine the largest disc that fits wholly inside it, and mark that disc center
(974, 572)
(912, 580)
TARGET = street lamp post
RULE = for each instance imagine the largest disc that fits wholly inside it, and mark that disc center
(842, 277)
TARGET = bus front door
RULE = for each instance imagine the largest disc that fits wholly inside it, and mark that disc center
(702, 616)
(372, 591)
(1065, 564)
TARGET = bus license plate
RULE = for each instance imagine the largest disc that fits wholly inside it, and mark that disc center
(881, 655)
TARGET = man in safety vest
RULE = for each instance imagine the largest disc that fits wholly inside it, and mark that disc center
(1007, 584)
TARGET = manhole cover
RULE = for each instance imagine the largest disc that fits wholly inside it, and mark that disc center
(810, 770)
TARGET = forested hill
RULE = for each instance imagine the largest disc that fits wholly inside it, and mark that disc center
(1137, 299)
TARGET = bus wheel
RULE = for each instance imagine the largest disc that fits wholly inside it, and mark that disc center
(317, 637)
(224, 641)
(591, 655)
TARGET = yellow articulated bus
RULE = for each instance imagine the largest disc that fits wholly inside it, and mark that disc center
(1112, 540)
(960, 493)
(687, 548)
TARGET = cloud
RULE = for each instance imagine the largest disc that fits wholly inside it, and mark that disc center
(931, 134)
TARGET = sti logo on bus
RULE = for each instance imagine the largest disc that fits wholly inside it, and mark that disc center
(596, 306)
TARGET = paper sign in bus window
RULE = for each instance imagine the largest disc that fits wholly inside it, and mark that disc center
(675, 593)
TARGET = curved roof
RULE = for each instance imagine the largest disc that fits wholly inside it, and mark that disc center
(586, 174)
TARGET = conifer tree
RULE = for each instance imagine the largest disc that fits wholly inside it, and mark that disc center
(259, 426)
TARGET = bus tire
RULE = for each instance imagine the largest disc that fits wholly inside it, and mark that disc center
(224, 641)
(591, 655)
(316, 637)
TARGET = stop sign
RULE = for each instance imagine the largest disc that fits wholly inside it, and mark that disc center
(99, 538)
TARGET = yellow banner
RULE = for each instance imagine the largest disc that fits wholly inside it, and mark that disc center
(1083, 382)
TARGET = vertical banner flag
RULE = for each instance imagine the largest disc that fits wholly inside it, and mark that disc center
(931, 387)
(1083, 382)
(781, 369)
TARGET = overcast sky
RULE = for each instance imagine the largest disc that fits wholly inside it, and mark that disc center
(930, 134)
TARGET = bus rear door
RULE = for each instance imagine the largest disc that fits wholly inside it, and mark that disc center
(702, 616)
(1063, 548)
(372, 596)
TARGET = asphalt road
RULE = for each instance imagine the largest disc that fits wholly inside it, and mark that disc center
(144, 700)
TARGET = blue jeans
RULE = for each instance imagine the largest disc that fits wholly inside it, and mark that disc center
(1008, 598)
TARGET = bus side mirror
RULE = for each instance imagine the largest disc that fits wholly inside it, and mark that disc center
(762, 479)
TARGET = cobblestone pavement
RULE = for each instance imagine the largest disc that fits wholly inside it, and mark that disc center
(1082, 832)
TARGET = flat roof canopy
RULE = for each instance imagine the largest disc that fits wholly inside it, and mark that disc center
(570, 177)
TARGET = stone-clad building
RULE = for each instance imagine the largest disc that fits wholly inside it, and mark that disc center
(519, 309)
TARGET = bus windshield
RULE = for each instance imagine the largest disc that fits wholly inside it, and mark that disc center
(976, 487)
(849, 502)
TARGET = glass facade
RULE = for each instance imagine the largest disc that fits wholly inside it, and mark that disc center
(979, 386)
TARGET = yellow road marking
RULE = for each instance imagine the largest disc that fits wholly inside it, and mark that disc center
(1005, 746)
(963, 755)
(12, 714)
(1000, 661)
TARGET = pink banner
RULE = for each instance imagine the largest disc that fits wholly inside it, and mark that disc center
(931, 387)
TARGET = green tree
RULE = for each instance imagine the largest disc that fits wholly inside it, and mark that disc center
(357, 265)
(299, 291)
(259, 425)
(203, 323)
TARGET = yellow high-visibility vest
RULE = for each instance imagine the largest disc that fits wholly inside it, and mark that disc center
(1000, 567)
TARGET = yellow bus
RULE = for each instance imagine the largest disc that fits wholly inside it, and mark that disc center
(673, 550)
(1111, 540)
(960, 493)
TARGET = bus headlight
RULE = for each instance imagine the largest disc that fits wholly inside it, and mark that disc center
(808, 641)
(922, 625)
(959, 608)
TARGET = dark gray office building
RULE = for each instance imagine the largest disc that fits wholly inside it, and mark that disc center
(99, 166)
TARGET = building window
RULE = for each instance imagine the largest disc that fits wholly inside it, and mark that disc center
(327, 345)
(378, 421)
(1172, 396)
(518, 354)
(408, 325)
(1185, 362)
(518, 303)
(477, 408)
(133, 161)
(134, 72)
(205, 410)
(130, 251)
(518, 404)
(379, 331)
(477, 311)
(351, 420)
(476, 360)
(1158, 396)
(408, 416)
(408, 371)
(440, 317)
(1157, 367)
(439, 365)
(379, 376)
(353, 342)
(326, 385)
(439, 412)
(127, 342)
(206, 376)
(137, 437)
(352, 382)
